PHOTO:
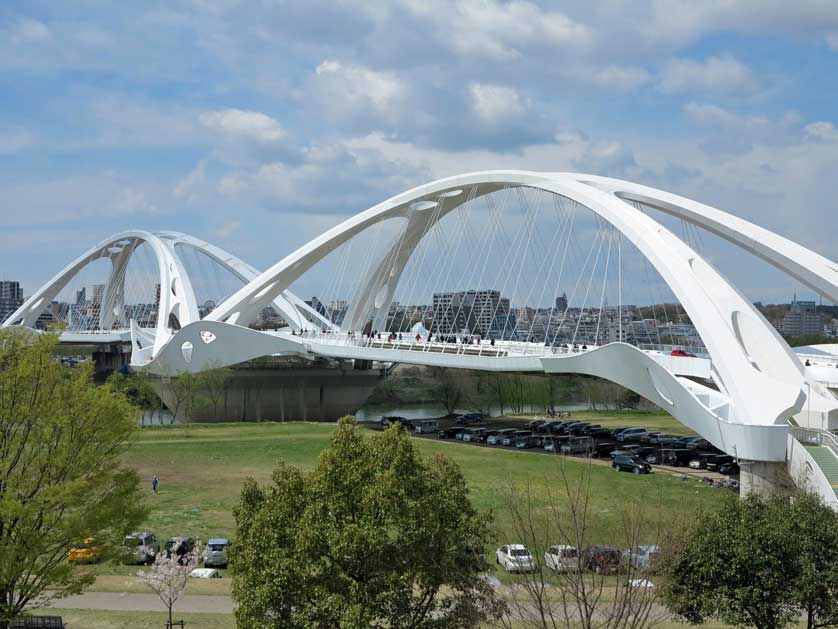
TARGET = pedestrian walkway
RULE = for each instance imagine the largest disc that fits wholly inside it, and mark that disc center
(827, 462)
(125, 601)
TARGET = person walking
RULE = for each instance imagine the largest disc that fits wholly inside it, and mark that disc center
(154, 484)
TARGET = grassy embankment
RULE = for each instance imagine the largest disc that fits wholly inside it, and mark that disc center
(202, 467)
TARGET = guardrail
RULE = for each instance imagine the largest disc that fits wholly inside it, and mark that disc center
(816, 437)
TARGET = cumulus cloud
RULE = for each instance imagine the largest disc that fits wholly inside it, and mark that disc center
(251, 125)
(354, 94)
(722, 74)
(496, 102)
(821, 132)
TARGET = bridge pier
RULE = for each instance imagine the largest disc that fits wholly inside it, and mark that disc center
(763, 478)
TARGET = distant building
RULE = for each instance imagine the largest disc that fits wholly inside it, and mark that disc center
(479, 312)
(11, 298)
(561, 302)
(802, 319)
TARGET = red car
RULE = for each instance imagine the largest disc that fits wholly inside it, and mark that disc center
(681, 353)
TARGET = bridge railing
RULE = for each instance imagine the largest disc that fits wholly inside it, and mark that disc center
(816, 437)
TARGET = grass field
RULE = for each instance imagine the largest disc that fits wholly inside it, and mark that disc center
(201, 468)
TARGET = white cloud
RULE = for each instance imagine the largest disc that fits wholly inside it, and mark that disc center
(722, 74)
(501, 32)
(251, 125)
(30, 31)
(821, 131)
(131, 202)
(496, 102)
(349, 87)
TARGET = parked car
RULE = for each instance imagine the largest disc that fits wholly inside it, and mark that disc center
(587, 431)
(632, 434)
(697, 443)
(602, 559)
(626, 463)
(535, 423)
(547, 427)
(558, 428)
(577, 428)
(567, 429)
(600, 433)
(89, 551)
(554, 444)
(483, 437)
(624, 450)
(729, 469)
(509, 440)
(715, 461)
(470, 434)
(603, 449)
(395, 419)
(497, 439)
(426, 426)
(641, 557)
(663, 440)
(525, 443)
(181, 547)
(650, 436)
(617, 431)
(449, 433)
(672, 456)
(215, 554)
(515, 558)
(699, 461)
(467, 419)
(562, 558)
(205, 573)
(578, 445)
(141, 547)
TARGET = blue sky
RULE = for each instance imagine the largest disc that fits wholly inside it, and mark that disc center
(257, 125)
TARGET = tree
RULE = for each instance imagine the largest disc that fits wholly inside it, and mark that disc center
(137, 388)
(169, 576)
(815, 533)
(579, 597)
(374, 536)
(739, 564)
(61, 439)
(214, 383)
(183, 389)
(448, 388)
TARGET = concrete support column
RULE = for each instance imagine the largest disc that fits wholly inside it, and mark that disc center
(762, 477)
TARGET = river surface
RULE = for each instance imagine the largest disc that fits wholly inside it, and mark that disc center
(429, 411)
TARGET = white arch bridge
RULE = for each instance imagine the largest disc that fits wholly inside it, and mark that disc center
(740, 388)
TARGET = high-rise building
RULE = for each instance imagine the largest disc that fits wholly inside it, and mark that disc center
(802, 319)
(561, 302)
(11, 298)
(479, 312)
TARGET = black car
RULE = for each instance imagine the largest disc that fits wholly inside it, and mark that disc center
(674, 456)
(450, 433)
(586, 431)
(600, 433)
(577, 428)
(396, 419)
(602, 559)
(535, 423)
(627, 463)
(603, 449)
(715, 461)
(624, 449)
(558, 427)
(181, 547)
(467, 419)
(697, 443)
(546, 427)
(729, 469)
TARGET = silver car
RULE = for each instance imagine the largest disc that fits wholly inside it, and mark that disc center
(215, 553)
(142, 546)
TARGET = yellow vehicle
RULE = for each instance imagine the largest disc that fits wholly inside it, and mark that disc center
(86, 552)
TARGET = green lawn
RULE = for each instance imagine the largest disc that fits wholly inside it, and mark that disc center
(201, 468)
